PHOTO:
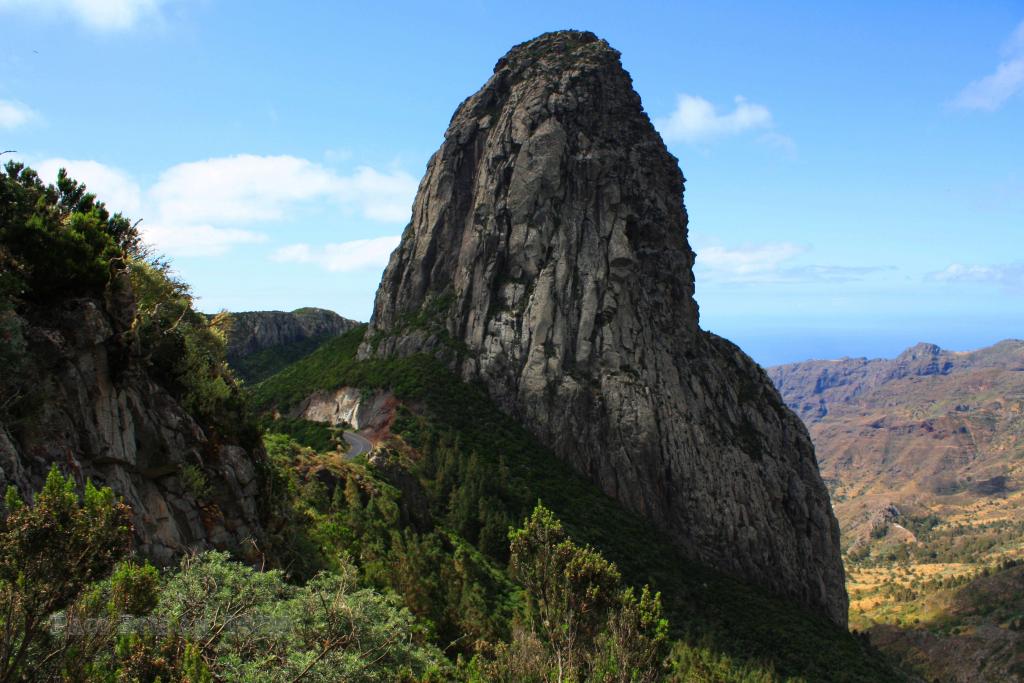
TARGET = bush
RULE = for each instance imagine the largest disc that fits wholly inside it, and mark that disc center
(249, 626)
(58, 240)
(50, 552)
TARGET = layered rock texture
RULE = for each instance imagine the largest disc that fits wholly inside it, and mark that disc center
(547, 257)
(97, 414)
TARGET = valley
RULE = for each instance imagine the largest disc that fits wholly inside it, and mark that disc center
(924, 458)
(533, 462)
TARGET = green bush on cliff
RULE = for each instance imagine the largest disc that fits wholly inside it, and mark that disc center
(58, 239)
(185, 350)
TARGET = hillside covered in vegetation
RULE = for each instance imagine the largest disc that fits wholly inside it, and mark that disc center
(461, 550)
(466, 472)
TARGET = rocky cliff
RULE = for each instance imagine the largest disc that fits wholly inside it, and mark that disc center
(261, 343)
(547, 257)
(254, 331)
(94, 410)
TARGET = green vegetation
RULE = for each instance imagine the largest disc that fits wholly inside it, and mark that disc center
(74, 607)
(257, 366)
(315, 435)
(184, 351)
(397, 570)
(480, 470)
(579, 622)
(58, 240)
(50, 552)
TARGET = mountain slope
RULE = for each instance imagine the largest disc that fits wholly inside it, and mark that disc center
(431, 409)
(924, 455)
(931, 432)
(259, 343)
(547, 258)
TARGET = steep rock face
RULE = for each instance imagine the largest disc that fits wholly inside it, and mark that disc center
(348, 405)
(547, 257)
(99, 416)
(254, 331)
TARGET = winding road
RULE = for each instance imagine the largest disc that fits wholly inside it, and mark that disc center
(357, 445)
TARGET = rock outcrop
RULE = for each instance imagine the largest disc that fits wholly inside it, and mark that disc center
(97, 414)
(547, 257)
(254, 331)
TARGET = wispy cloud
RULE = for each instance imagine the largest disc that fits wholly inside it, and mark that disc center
(14, 114)
(992, 91)
(198, 240)
(98, 15)
(206, 207)
(697, 120)
(342, 257)
(770, 264)
(251, 188)
(1009, 276)
(385, 197)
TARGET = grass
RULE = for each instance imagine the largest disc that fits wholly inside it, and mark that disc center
(708, 611)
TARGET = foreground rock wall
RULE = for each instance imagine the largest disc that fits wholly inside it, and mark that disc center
(96, 414)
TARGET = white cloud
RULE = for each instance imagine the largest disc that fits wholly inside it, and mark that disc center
(242, 188)
(206, 207)
(695, 119)
(745, 263)
(770, 264)
(14, 114)
(1008, 275)
(343, 257)
(197, 240)
(100, 15)
(381, 196)
(992, 91)
(254, 188)
(110, 185)
(1015, 45)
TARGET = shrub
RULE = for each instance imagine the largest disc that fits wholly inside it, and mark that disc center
(50, 552)
(58, 239)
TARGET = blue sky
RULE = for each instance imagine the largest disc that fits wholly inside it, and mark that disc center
(855, 174)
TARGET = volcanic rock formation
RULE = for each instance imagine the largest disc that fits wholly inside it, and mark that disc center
(547, 257)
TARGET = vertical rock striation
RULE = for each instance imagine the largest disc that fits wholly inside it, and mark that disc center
(547, 257)
(98, 414)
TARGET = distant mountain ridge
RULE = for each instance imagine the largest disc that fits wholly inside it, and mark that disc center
(929, 429)
(262, 342)
(814, 387)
